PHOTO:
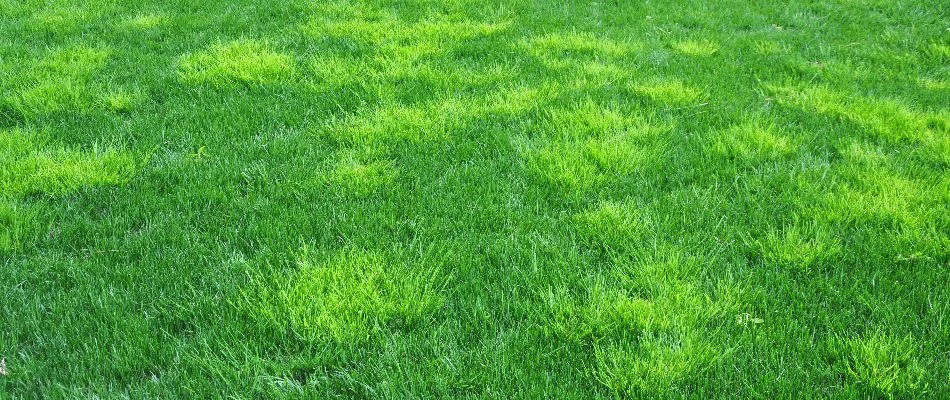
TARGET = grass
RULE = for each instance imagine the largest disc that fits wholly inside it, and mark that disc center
(474, 199)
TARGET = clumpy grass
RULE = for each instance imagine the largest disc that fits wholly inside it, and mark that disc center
(348, 298)
(643, 322)
(474, 199)
(660, 366)
(879, 364)
(392, 123)
(60, 20)
(696, 48)
(611, 223)
(60, 81)
(884, 119)
(589, 145)
(940, 50)
(250, 62)
(28, 166)
(353, 176)
(120, 100)
(799, 247)
(145, 21)
(670, 92)
(585, 164)
(753, 142)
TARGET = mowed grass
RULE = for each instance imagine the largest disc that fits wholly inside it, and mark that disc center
(474, 199)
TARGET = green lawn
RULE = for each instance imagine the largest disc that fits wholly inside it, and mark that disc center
(475, 199)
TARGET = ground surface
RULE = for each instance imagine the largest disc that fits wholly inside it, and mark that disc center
(457, 199)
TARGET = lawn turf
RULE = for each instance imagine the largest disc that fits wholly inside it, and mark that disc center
(475, 199)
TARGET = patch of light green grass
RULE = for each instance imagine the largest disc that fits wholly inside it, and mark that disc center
(940, 50)
(647, 324)
(59, 81)
(696, 48)
(888, 119)
(120, 100)
(250, 62)
(670, 92)
(349, 297)
(882, 364)
(800, 247)
(145, 21)
(878, 196)
(61, 19)
(611, 223)
(394, 123)
(753, 142)
(353, 175)
(659, 366)
(589, 145)
(28, 165)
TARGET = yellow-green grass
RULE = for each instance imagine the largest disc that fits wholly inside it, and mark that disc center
(474, 199)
